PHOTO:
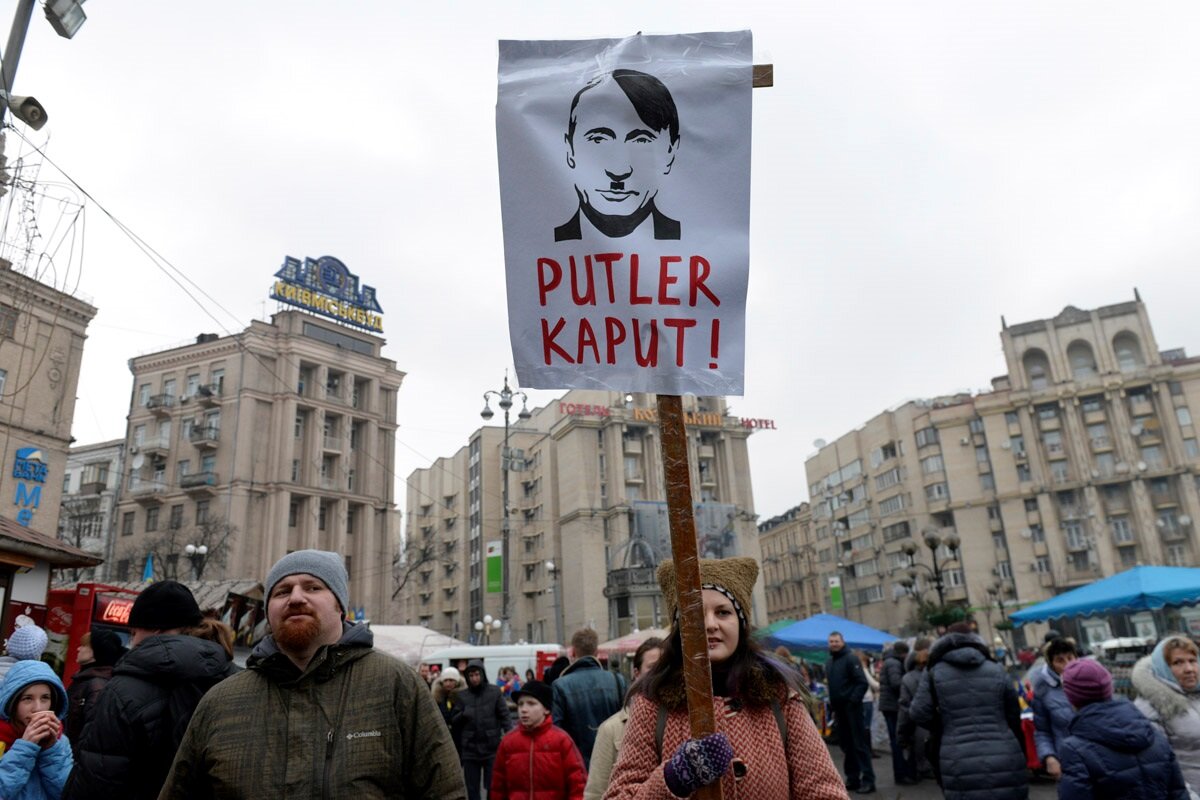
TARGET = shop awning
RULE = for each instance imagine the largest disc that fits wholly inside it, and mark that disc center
(1136, 589)
(25, 544)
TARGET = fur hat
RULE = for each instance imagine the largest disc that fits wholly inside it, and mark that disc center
(1086, 681)
(542, 692)
(320, 564)
(27, 643)
(164, 605)
(451, 674)
(732, 577)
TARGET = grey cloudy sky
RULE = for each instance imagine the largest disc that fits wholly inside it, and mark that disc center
(919, 170)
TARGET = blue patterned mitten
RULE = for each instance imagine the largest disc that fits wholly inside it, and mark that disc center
(697, 762)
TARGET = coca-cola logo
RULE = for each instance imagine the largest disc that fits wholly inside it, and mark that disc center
(58, 619)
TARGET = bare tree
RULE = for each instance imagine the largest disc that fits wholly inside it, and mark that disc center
(417, 561)
(81, 525)
(167, 549)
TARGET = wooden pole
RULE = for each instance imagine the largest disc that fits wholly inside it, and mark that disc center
(697, 678)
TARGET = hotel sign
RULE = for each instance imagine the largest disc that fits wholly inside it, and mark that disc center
(29, 468)
(324, 286)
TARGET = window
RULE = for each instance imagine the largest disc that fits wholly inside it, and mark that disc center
(169, 387)
(976, 425)
(1037, 534)
(193, 385)
(151, 519)
(217, 379)
(1128, 351)
(1047, 411)
(208, 464)
(1121, 529)
(889, 478)
(295, 470)
(1183, 415)
(1059, 471)
(183, 468)
(1176, 388)
(937, 491)
(1023, 473)
(201, 512)
(1128, 555)
(899, 530)
(866, 568)
(1031, 504)
(3, 380)
(981, 454)
(1191, 449)
(1011, 418)
(1074, 535)
(927, 436)
(176, 518)
(298, 431)
(1053, 442)
(891, 505)
(143, 394)
(1152, 455)
(293, 513)
(1083, 363)
(321, 514)
(1177, 555)
(897, 560)
(1041, 565)
(127, 523)
(139, 435)
(1098, 433)
(1168, 522)
(1092, 403)
(871, 594)
(954, 577)
(1004, 570)
(987, 482)
(66, 483)
(932, 464)
(1017, 444)
(998, 540)
(1106, 464)
(1037, 369)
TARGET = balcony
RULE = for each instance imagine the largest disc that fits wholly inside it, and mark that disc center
(621, 580)
(198, 482)
(206, 437)
(160, 405)
(92, 487)
(332, 443)
(147, 492)
(633, 445)
(209, 395)
(157, 446)
(1140, 406)
(1101, 444)
(1094, 417)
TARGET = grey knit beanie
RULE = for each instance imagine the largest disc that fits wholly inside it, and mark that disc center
(320, 564)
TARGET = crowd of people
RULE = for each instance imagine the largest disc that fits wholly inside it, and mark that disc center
(319, 711)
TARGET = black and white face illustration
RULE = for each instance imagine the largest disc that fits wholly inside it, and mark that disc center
(622, 140)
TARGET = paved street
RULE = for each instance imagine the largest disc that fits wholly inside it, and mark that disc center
(926, 790)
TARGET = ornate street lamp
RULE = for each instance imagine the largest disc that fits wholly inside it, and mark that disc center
(936, 572)
(485, 627)
(504, 399)
(197, 555)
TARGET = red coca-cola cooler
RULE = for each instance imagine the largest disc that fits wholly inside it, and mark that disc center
(70, 613)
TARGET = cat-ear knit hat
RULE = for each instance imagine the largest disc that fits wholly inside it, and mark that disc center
(732, 577)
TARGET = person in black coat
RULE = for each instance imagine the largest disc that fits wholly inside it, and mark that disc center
(847, 686)
(888, 703)
(976, 746)
(98, 651)
(1112, 752)
(484, 721)
(140, 718)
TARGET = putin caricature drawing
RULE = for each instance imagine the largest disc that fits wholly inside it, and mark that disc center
(622, 139)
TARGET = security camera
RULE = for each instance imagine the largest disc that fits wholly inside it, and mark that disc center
(27, 109)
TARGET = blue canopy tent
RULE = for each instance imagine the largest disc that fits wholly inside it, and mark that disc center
(1136, 589)
(813, 634)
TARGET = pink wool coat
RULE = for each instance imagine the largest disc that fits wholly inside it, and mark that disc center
(804, 772)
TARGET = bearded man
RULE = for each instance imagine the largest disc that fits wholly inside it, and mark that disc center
(318, 709)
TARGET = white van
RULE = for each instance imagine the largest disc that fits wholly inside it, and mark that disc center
(495, 656)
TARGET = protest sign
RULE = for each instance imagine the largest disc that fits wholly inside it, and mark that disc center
(625, 195)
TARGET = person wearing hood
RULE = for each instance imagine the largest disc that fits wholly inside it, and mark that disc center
(445, 694)
(318, 711)
(971, 709)
(1167, 683)
(32, 706)
(485, 720)
(142, 713)
(99, 650)
(1112, 752)
(891, 677)
(1052, 713)
(911, 737)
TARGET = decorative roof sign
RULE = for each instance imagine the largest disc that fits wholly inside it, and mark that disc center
(324, 286)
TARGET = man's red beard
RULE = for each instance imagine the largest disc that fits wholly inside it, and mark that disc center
(297, 634)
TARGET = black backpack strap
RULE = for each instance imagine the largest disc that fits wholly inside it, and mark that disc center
(660, 729)
(781, 721)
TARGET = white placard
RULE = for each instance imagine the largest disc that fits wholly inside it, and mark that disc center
(625, 193)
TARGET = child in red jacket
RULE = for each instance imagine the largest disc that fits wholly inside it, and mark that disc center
(537, 761)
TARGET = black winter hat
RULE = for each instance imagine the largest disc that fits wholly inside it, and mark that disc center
(164, 605)
(106, 647)
(542, 692)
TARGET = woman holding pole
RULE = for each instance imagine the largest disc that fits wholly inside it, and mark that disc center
(765, 746)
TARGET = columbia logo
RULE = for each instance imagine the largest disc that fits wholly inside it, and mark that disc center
(363, 734)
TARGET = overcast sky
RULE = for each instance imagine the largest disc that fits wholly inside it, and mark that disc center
(919, 169)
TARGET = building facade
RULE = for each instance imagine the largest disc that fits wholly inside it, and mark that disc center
(86, 519)
(789, 565)
(1081, 462)
(278, 438)
(586, 518)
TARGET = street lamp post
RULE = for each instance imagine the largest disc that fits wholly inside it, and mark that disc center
(552, 568)
(197, 555)
(485, 627)
(504, 399)
(933, 542)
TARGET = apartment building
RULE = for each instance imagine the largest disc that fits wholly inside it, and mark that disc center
(86, 520)
(586, 518)
(1081, 462)
(789, 574)
(250, 446)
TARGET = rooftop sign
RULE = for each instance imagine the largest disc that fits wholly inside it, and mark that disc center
(324, 286)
